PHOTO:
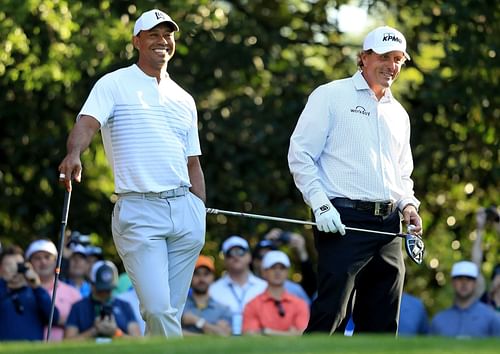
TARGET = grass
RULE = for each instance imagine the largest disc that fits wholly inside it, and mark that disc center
(266, 345)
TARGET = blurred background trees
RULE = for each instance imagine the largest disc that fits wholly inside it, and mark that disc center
(250, 64)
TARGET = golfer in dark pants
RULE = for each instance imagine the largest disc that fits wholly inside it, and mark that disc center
(351, 159)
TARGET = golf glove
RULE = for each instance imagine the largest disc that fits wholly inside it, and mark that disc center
(327, 217)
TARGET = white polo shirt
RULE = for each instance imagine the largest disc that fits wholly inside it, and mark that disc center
(149, 129)
(349, 144)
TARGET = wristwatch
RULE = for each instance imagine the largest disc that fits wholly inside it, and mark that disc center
(200, 323)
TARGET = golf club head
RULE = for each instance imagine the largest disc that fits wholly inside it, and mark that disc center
(415, 248)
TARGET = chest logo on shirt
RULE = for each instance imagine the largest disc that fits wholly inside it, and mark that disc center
(360, 110)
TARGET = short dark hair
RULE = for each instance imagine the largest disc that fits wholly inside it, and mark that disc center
(11, 251)
(360, 62)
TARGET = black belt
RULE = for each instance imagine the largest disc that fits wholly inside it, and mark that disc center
(382, 208)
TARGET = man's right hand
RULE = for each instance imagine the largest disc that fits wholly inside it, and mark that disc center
(328, 219)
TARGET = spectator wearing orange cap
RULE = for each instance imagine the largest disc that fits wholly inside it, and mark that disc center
(202, 314)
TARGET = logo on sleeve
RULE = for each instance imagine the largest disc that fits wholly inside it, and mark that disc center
(360, 110)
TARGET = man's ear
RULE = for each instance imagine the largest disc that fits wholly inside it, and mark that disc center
(135, 41)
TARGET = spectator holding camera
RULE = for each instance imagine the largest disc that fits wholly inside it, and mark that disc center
(99, 315)
(485, 216)
(42, 255)
(24, 304)
(271, 242)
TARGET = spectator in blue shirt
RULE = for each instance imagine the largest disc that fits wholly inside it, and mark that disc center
(100, 315)
(468, 317)
(202, 314)
(413, 318)
(24, 304)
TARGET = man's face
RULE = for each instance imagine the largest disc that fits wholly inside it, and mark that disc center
(156, 46)
(237, 259)
(381, 70)
(276, 275)
(78, 265)
(202, 278)
(464, 287)
(43, 263)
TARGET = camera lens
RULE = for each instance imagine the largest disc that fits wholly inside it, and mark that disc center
(21, 268)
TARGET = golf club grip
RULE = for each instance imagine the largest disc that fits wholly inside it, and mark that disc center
(65, 210)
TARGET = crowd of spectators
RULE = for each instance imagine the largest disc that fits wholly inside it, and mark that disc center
(253, 296)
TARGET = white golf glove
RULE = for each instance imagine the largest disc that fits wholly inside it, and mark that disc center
(327, 217)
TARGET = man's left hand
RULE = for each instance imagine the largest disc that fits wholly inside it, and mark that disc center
(411, 217)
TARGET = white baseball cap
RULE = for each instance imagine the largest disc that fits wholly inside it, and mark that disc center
(234, 241)
(151, 18)
(385, 39)
(275, 257)
(41, 245)
(464, 269)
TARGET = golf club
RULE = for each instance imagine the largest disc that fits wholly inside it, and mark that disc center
(64, 220)
(414, 244)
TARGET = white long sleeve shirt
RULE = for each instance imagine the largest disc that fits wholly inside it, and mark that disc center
(349, 144)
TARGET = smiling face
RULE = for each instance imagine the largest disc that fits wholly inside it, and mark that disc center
(381, 70)
(156, 47)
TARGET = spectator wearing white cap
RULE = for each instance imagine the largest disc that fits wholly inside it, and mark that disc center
(100, 315)
(467, 317)
(276, 311)
(238, 285)
(42, 254)
(149, 127)
(350, 157)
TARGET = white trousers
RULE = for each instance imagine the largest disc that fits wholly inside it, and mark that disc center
(159, 241)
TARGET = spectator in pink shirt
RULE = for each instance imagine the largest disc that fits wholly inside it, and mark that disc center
(42, 255)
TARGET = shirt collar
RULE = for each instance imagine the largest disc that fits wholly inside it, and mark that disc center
(285, 296)
(361, 84)
(252, 279)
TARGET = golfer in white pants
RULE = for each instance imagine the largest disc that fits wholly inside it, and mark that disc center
(149, 128)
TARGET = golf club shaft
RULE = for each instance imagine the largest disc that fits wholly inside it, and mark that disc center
(64, 221)
(292, 221)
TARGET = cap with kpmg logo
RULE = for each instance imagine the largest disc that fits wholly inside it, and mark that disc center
(104, 275)
(464, 269)
(151, 18)
(234, 241)
(385, 39)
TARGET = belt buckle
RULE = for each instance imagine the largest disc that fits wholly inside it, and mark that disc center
(377, 210)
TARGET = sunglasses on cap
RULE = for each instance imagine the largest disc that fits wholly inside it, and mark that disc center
(235, 252)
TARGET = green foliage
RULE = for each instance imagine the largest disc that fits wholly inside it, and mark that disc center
(250, 66)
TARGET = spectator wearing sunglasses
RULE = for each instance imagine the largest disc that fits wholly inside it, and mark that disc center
(238, 285)
(276, 311)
